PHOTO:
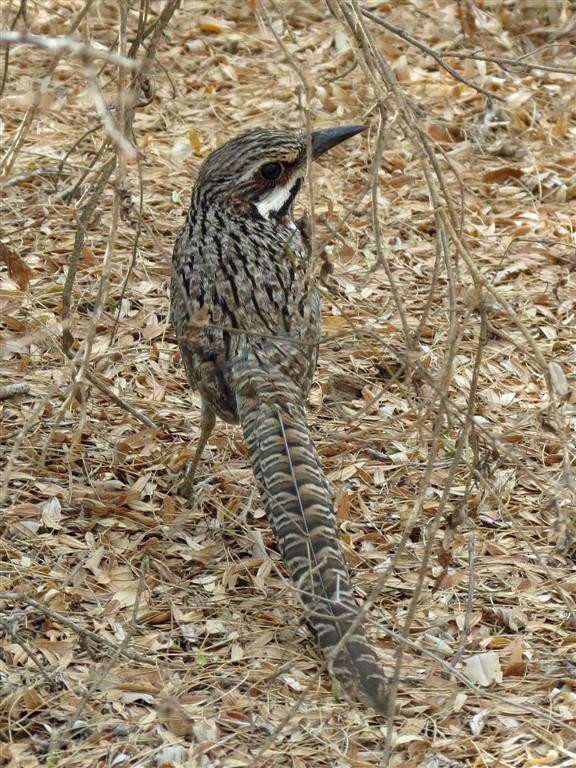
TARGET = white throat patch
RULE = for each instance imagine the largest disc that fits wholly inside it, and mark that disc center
(275, 199)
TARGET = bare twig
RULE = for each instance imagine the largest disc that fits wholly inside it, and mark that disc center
(504, 62)
(103, 111)
(431, 52)
(28, 650)
(81, 631)
(58, 735)
(65, 44)
(10, 157)
(11, 390)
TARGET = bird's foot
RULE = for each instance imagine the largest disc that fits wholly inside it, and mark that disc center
(190, 487)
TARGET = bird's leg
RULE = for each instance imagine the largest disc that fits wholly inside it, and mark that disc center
(207, 422)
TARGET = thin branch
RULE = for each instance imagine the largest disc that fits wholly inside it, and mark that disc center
(87, 634)
(103, 111)
(11, 390)
(430, 51)
(57, 735)
(504, 62)
(63, 45)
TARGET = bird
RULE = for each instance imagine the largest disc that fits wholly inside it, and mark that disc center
(246, 312)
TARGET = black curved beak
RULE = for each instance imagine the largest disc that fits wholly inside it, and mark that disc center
(326, 138)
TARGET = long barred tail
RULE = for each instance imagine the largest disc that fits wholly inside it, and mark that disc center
(297, 501)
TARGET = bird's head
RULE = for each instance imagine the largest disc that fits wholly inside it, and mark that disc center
(261, 172)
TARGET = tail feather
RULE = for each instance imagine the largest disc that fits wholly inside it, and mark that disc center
(297, 501)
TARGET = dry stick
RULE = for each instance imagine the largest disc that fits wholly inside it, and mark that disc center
(124, 147)
(381, 256)
(568, 260)
(342, 74)
(469, 603)
(257, 757)
(83, 222)
(425, 314)
(354, 21)
(30, 652)
(10, 157)
(5, 37)
(372, 54)
(418, 133)
(80, 375)
(73, 191)
(480, 692)
(441, 244)
(453, 331)
(382, 260)
(430, 51)
(462, 250)
(101, 298)
(543, 734)
(16, 446)
(561, 425)
(472, 400)
(503, 62)
(141, 30)
(292, 61)
(60, 45)
(449, 224)
(509, 453)
(298, 70)
(134, 254)
(105, 389)
(43, 171)
(11, 390)
(57, 736)
(157, 29)
(125, 115)
(67, 338)
(21, 12)
(444, 189)
(84, 633)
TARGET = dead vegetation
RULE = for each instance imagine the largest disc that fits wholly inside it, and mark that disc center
(138, 631)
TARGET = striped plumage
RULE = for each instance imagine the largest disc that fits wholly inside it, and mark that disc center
(247, 319)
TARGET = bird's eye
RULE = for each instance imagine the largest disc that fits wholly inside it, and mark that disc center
(271, 171)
